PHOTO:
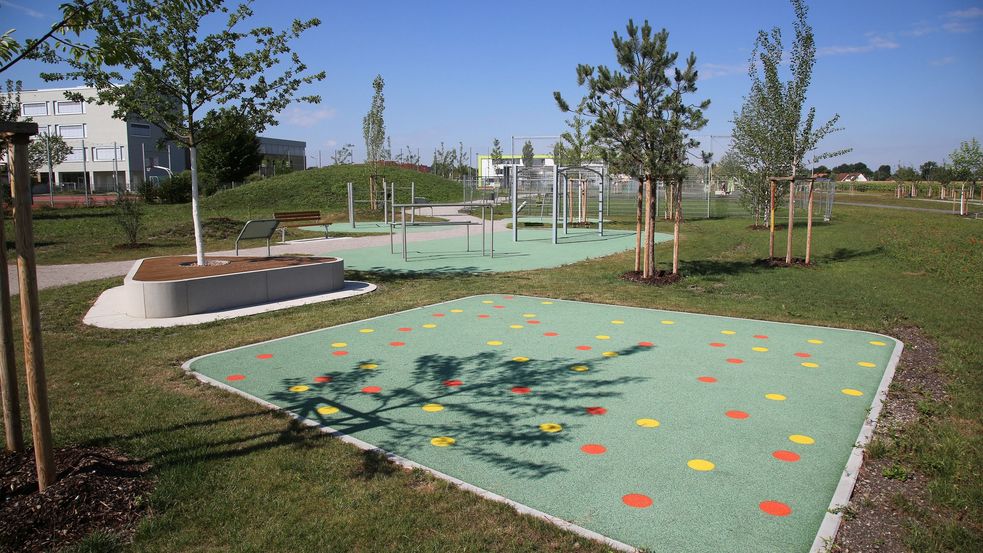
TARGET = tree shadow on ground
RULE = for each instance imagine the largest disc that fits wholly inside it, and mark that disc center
(718, 267)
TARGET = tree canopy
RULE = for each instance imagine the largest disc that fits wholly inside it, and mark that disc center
(233, 153)
(374, 124)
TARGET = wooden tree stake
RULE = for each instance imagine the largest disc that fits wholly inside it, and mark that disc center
(791, 221)
(809, 222)
(771, 224)
(13, 433)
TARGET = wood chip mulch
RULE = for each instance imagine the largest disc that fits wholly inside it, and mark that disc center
(98, 489)
(661, 278)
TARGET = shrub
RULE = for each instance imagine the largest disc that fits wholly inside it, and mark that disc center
(128, 213)
(176, 190)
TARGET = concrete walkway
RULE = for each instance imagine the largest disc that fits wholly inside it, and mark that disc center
(51, 276)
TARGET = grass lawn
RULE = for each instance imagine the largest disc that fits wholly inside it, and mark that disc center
(234, 476)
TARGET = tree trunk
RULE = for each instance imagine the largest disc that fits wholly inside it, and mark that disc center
(809, 225)
(638, 227)
(646, 265)
(771, 224)
(791, 221)
(677, 209)
(195, 215)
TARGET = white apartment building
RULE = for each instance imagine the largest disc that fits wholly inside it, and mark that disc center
(107, 154)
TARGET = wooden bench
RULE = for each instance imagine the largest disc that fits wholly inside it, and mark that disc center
(299, 219)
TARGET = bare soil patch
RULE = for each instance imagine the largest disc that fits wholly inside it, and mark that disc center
(660, 278)
(178, 267)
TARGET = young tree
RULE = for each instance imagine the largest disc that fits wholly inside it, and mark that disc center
(579, 147)
(176, 72)
(926, 169)
(967, 161)
(374, 133)
(527, 154)
(772, 134)
(47, 148)
(343, 155)
(641, 120)
(233, 153)
(496, 153)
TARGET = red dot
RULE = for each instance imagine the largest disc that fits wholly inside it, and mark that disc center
(521, 390)
(499, 306)
(637, 500)
(550, 334)
(452, 383)
(405, 329)
(234, 377)
(593, 449)
(264, 356)
(802, 354)
(735, 361)
(596, 410)
(760, 336)
(532, 322)
(508, 297)
(717, 344)
(783, 455)
(372, 389)
(737, 414)
(339, 353)
(646, 344)
(775, 508)
(583, 348)
(438, 314)
(707, 379)
(483, 316)
(322, 379)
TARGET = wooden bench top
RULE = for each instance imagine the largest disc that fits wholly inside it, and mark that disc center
(304, 217)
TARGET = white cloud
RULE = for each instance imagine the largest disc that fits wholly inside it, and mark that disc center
(306, 117)
(969, 13)
(330, 144)
(26, 10)
(961, 21)
(948, 60)
(712, 70)
(874, 42)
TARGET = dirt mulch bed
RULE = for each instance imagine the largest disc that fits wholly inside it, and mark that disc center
(780, 262)
(179, 267)
(875, 519)
(98, 490)
(661, 278)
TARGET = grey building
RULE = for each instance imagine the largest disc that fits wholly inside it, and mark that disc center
(107, 154)
(280, 154)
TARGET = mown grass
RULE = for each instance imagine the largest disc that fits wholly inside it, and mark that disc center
(234, 476)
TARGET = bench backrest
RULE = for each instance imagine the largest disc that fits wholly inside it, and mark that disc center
(296, 215)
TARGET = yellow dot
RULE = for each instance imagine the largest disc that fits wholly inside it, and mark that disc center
(759, 348)
(700, 464)
(668, 322)
(876, 343)
(443, 441)
(610, 354)
(602, 337)
(546, 302)
(801, 439)
(617, 322)
(457, 311)
(494, 342)
(369, 366)
(814, 341)
(647, 423)
(520, 359)
(528, 315)
(810, 364)
(432, 407)
(487, 301)
(339, 344)
(728, 332)
(516, 326)
(429, 325)
(852, 392)
(327, 410)
(367, 330)
(866, 364)
(775, 397)
(299, 388)
(550, 427)
(580, 368)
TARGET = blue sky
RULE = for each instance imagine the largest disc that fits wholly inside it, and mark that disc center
(905, 76)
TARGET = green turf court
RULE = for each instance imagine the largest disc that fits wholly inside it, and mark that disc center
(664, 430)
(367, 227)
(454, 255)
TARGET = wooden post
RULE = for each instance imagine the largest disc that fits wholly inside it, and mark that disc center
(37, 391)
(646, 264)
(638, 227)
(675, 229)
(791, 220)
(13, 433)
(771, 224)
(812, 183)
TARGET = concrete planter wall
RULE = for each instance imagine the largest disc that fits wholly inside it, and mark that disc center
(176, 298)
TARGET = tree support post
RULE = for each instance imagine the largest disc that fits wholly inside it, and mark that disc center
(13, 434)
(791, 221)
(647, 263)
(812, 183)
(771, 224)
(37, 393)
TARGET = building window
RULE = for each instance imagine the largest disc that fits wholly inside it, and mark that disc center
(75, 155)
(106, 154)
(139, 129)
(34, 109)
(71, 131)
(69, 108)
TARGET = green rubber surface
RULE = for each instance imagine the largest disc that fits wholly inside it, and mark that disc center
(658, 429)
(368, 227)
(452, 255)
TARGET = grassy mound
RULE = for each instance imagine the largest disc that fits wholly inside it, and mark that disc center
(326, 189)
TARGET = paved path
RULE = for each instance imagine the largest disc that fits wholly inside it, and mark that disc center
(50, 276)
